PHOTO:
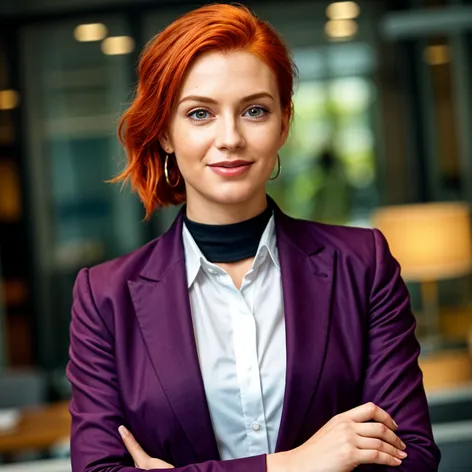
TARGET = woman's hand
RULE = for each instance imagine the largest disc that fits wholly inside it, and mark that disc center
(141, 459)
(345, 442)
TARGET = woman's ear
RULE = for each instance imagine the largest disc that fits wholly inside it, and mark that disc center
(164, 141)
(284, 129)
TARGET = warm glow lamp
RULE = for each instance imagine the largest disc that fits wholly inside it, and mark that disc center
(431, 241)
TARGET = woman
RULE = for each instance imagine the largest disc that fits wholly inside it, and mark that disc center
(242, 339)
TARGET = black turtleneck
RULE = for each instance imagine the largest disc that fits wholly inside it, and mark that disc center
(230, 243)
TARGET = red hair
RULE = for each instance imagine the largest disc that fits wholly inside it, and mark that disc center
(163, 65)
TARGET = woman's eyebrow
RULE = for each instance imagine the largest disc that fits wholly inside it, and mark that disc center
(202, 99)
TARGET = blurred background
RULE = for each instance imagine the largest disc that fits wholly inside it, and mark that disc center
(382, 136)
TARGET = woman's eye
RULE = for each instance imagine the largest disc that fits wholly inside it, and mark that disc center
(199, 115)
(256, 112)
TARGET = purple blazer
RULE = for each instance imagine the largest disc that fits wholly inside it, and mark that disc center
(349, 333)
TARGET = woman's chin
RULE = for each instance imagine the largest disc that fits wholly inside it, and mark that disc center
(238, 194)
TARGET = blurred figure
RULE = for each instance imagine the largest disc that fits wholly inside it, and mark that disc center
(333, 199)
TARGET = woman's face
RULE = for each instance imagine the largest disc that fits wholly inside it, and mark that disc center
(226, 130)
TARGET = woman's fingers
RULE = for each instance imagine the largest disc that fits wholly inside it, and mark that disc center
(139, 456)
(379, 431)
(141, 459)
(370, 411)
(373, 456)
(375, 444)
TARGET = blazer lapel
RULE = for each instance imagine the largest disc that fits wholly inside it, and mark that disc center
(162, 307)
(307, 279)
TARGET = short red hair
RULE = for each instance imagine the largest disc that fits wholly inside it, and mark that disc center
(162, 68)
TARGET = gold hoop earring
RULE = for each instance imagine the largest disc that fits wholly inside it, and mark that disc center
(166, 173)
(279, 169)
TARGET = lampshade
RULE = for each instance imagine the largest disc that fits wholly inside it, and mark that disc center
(431, 241)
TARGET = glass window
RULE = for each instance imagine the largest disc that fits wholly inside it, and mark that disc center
(328, 161)
(78, 81)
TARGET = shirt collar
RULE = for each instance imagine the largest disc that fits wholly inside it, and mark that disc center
(194, 258)
(268, 242)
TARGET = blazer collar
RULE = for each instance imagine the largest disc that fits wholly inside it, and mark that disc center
(307, 283)
(168, 251)
(296, 233)
(162, 306)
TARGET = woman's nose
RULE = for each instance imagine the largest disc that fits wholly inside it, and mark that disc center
(229, 134)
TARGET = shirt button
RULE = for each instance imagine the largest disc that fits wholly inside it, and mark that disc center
(256, 426)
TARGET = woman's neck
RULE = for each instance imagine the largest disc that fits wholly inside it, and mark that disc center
(229, 243)
(216, 213)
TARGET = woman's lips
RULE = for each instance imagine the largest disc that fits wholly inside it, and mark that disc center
(231, 169)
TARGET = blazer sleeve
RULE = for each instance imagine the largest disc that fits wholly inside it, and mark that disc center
(393, 379)
(96, 407)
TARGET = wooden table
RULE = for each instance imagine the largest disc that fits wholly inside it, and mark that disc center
(38, 429)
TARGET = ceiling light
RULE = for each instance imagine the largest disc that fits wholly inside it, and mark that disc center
(115, 45)
(90, 32)
(343, 11)
(9, 99)
(341, 29)
(437, 55)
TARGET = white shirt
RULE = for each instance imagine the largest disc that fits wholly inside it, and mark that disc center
(240, 337)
